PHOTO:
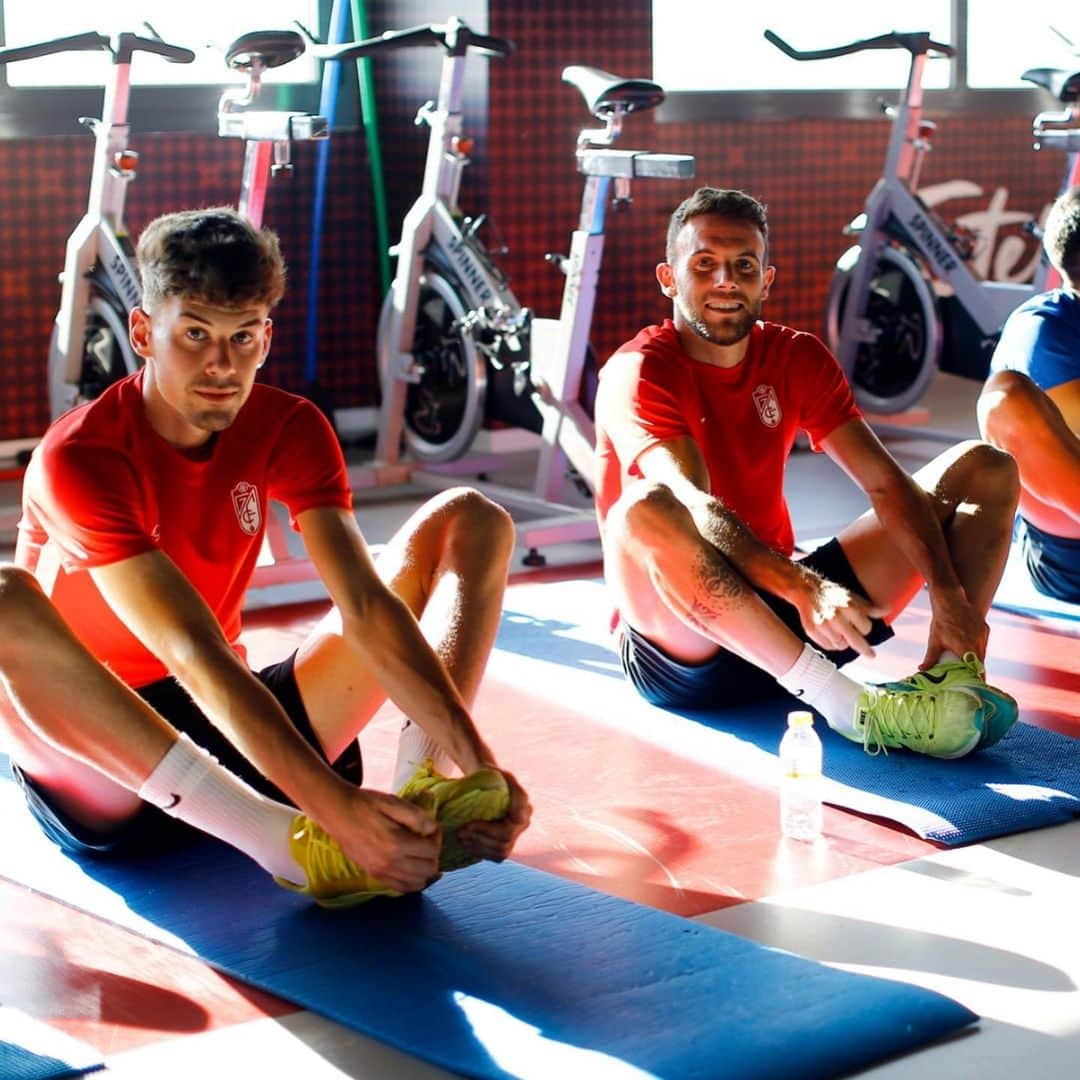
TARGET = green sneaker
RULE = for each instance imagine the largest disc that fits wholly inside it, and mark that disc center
(1000, 710)
(946, 711)
(480, 796)
(333, 879)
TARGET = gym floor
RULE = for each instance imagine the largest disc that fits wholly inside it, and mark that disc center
(991, 925)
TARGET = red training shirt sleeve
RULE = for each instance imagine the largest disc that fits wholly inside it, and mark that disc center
(827, 401)
(636, 411)
(307, 468)
(91, 505)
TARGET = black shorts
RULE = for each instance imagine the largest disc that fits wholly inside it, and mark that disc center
(151, 829)
(726, 678)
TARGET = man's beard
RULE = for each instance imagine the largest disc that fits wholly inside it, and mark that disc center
(737, 331)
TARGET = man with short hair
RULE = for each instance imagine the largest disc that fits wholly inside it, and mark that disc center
(1030, 407)
(144, 515)
(695, 422)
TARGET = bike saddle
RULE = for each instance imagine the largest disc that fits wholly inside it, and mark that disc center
(1063, 84)
(604, 92)
(267, 48)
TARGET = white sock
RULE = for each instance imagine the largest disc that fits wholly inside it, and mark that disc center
(414, 747)
(191, 785)
(821, 684)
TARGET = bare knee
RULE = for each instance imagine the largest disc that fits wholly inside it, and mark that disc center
(987, 474)
(471, 522)
(646, 513)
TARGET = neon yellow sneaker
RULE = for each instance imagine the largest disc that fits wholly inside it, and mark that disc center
(480, 796)
(946, 711)
(333, 879)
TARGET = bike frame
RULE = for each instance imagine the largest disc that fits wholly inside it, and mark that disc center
(895, 213)
(431, 229)
(894, 322)
(98, 249)
(100, 237)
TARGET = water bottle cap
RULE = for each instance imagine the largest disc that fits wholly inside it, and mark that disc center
(800, 718)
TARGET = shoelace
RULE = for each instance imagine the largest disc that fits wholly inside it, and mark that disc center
(326, 861)
(899, 716)
(975, 664)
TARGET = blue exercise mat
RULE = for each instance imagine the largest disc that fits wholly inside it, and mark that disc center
(1028, 780)
(31, 1050)
(555, 640)
(1017, 592)
(503, 971)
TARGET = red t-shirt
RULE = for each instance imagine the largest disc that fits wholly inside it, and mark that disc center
(104, 486)
(744, 418)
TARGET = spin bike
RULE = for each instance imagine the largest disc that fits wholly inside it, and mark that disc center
(889, 337)
(99, 284)
(454, 344)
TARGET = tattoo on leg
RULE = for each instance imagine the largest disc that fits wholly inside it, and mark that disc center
(719, 589)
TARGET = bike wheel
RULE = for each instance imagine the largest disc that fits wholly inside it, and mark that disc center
(892, 372)
(443, 410)
(107, 356)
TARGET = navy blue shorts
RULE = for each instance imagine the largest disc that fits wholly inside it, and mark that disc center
(1053, 562)
(728, 679)
(151, 829)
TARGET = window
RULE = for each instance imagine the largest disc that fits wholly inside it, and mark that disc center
(206, 27)
(715, 61)
(700, 47)
(45, 95)
(999, 49)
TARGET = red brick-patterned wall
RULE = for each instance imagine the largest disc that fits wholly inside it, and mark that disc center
(812, 173)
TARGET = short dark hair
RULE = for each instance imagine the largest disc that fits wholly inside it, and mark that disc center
(214, 255)
(1061, 235)
(723, 201)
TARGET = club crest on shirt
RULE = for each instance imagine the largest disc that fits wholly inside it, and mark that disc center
(768, 406)
(245, 499)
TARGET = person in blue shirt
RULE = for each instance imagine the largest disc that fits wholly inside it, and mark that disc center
(1030, 407)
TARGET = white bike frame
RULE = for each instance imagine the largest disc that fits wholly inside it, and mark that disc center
(432, 232)
(894, 212)
(99, 247)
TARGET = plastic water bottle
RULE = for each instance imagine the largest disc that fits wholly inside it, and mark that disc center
(800, 778)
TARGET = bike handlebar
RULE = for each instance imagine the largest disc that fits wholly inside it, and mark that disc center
(454, 36)
(125, 44)
(917, 43)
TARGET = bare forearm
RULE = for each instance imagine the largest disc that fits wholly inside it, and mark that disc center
(389, 642)
(909, 519)
(756, 562)
(253, 720)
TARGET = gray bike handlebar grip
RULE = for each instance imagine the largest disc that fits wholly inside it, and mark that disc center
(915, 42)
(175, 54)
(455, 37)
(74, 43)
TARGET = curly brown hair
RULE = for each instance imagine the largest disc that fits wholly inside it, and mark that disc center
(214, 255)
